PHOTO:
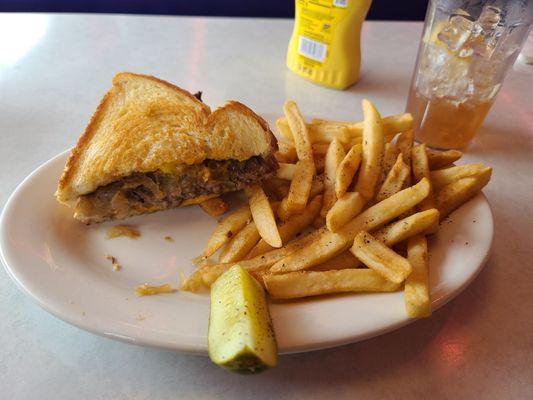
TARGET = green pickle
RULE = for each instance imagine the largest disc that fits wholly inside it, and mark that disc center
(240, 336)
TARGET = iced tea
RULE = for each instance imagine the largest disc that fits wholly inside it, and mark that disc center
(466, 49)
(446, 123)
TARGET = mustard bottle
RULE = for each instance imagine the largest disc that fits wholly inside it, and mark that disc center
(325, 43)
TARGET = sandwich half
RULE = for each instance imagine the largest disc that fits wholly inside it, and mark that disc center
(152, 146)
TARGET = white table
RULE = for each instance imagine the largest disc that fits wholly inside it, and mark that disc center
(54, 69)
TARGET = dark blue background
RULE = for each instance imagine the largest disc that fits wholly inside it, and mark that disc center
(380, 9)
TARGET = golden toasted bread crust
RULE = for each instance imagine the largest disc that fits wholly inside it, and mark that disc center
(228, 143)
(80, 145)
(120, 75)
(239, 107)
(127, 135)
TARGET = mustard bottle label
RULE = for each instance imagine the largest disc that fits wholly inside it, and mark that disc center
(325, 43)
(317, 25)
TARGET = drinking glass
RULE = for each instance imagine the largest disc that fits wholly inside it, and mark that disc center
(465, 51)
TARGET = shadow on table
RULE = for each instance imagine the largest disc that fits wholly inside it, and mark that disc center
(380, 85)
(494, 140)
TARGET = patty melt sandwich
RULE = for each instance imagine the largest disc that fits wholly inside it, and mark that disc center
(152, 146)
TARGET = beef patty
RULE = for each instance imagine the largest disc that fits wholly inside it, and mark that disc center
(142, 193)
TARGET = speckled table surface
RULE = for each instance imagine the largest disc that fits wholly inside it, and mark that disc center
(54, 68)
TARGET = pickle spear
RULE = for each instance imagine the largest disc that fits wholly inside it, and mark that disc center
(240, 335)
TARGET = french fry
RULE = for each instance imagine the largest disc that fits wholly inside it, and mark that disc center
(334, 157)
(404, 143)
(323, 131)
(395, 179)
(320, 164)
(372, 153)
(359, 140)
(344, 210)
(284, 130)
(319, 221)
(421, 170)
(317, 187)
(286, 171)
(320, 149)
(280, 189)
(313, 283)
(291, 227)
(263, 215)
(420, 223)
(215, 206)
(390, 155)
(227, 228)
(326, 133)
(299, 190)
(380, 258)
(459, 192)
(391, 125)
(240, 244)
(201, 261)
(326, 121)
(440, 159)
(347, 169)
(205, 276)
(344, 260)
(276, 188)
(443, 177)
(416, 290)
(286, 152)
(329, 244)
(302, 142)
(318, 133)
(372, 174)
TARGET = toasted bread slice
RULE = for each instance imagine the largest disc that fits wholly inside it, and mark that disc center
(144, 124)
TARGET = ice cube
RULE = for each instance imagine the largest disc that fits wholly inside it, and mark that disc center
(434, 59)
(489, 18)
(467, 49)
(456, 32)
(442, 74)
(485, 43)
(486, 32)
(453, 79)
(431, 64)
(486, 75)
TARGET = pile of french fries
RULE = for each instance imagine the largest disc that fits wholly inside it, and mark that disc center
(349, 211)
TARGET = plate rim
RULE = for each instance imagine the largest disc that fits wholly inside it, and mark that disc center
(77, 321)
(81, 323)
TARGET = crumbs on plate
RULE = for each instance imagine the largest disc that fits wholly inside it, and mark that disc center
(114, 262)
(122, 230)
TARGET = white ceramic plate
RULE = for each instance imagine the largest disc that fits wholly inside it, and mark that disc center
(61, 263)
